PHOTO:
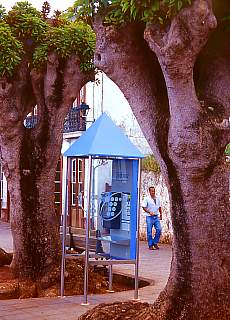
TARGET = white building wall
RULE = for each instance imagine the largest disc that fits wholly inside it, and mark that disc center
(4, 193)
(149, 179)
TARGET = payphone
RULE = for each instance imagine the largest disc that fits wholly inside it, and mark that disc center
(115, 217)
(115, 210)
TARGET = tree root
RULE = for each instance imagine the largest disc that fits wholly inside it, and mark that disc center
(160, 310)
(118, 311)
(12, 287)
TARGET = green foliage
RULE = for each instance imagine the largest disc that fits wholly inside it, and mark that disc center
(25, 30)
(2, 12)
(24, 7)
(145, 10)
(71, 38)
(149, 163)
(84, 10)
(227, 150)
(120, 11)
(26, 22)
(40, 55)
(11, 50)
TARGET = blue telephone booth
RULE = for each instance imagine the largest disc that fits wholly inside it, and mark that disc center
(117, 218)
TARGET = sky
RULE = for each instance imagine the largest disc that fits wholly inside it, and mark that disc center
(117, 107)
(55, 4)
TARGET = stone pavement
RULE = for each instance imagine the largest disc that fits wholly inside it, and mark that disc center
(154, 266)
(6, 241)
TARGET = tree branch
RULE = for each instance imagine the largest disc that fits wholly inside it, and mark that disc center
(55, 88)
(177, 48)
(16, 99)
(184, 39)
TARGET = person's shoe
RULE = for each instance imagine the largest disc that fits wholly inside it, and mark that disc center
(156, 247)
(151, 248)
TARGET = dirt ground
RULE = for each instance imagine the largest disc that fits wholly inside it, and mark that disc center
(11, 288)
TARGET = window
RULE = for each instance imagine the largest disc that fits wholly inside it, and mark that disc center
(80, 176)
(73, 181)
(1, 182)
(77, 179)
(57, 191)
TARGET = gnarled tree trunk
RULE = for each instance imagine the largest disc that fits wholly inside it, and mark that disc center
(189, 138)
(29, 157)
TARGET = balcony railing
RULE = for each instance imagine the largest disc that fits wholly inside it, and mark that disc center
(31, 121)
(75, 121)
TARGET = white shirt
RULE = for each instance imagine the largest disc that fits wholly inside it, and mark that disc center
(151, 205)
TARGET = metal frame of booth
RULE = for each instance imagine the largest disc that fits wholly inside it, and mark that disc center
(88, 256)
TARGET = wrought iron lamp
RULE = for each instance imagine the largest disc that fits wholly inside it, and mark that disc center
(84, 108)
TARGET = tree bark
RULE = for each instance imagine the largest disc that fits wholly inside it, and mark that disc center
(190, 151)
(29, 158)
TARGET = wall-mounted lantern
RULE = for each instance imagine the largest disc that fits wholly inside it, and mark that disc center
(84, 108)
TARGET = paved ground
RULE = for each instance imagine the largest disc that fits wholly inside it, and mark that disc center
(154, 265)
(6, 241)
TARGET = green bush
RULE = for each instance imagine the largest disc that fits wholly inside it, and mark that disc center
(11, 50)
(72, 38)
(149, 163)
(25, 31)
(227, 150)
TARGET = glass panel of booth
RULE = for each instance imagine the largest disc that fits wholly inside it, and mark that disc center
(113, 214)
(73, 182)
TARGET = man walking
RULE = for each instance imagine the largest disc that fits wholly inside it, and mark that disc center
(152, 207)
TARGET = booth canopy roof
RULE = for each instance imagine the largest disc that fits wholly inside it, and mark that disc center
(103, 138)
